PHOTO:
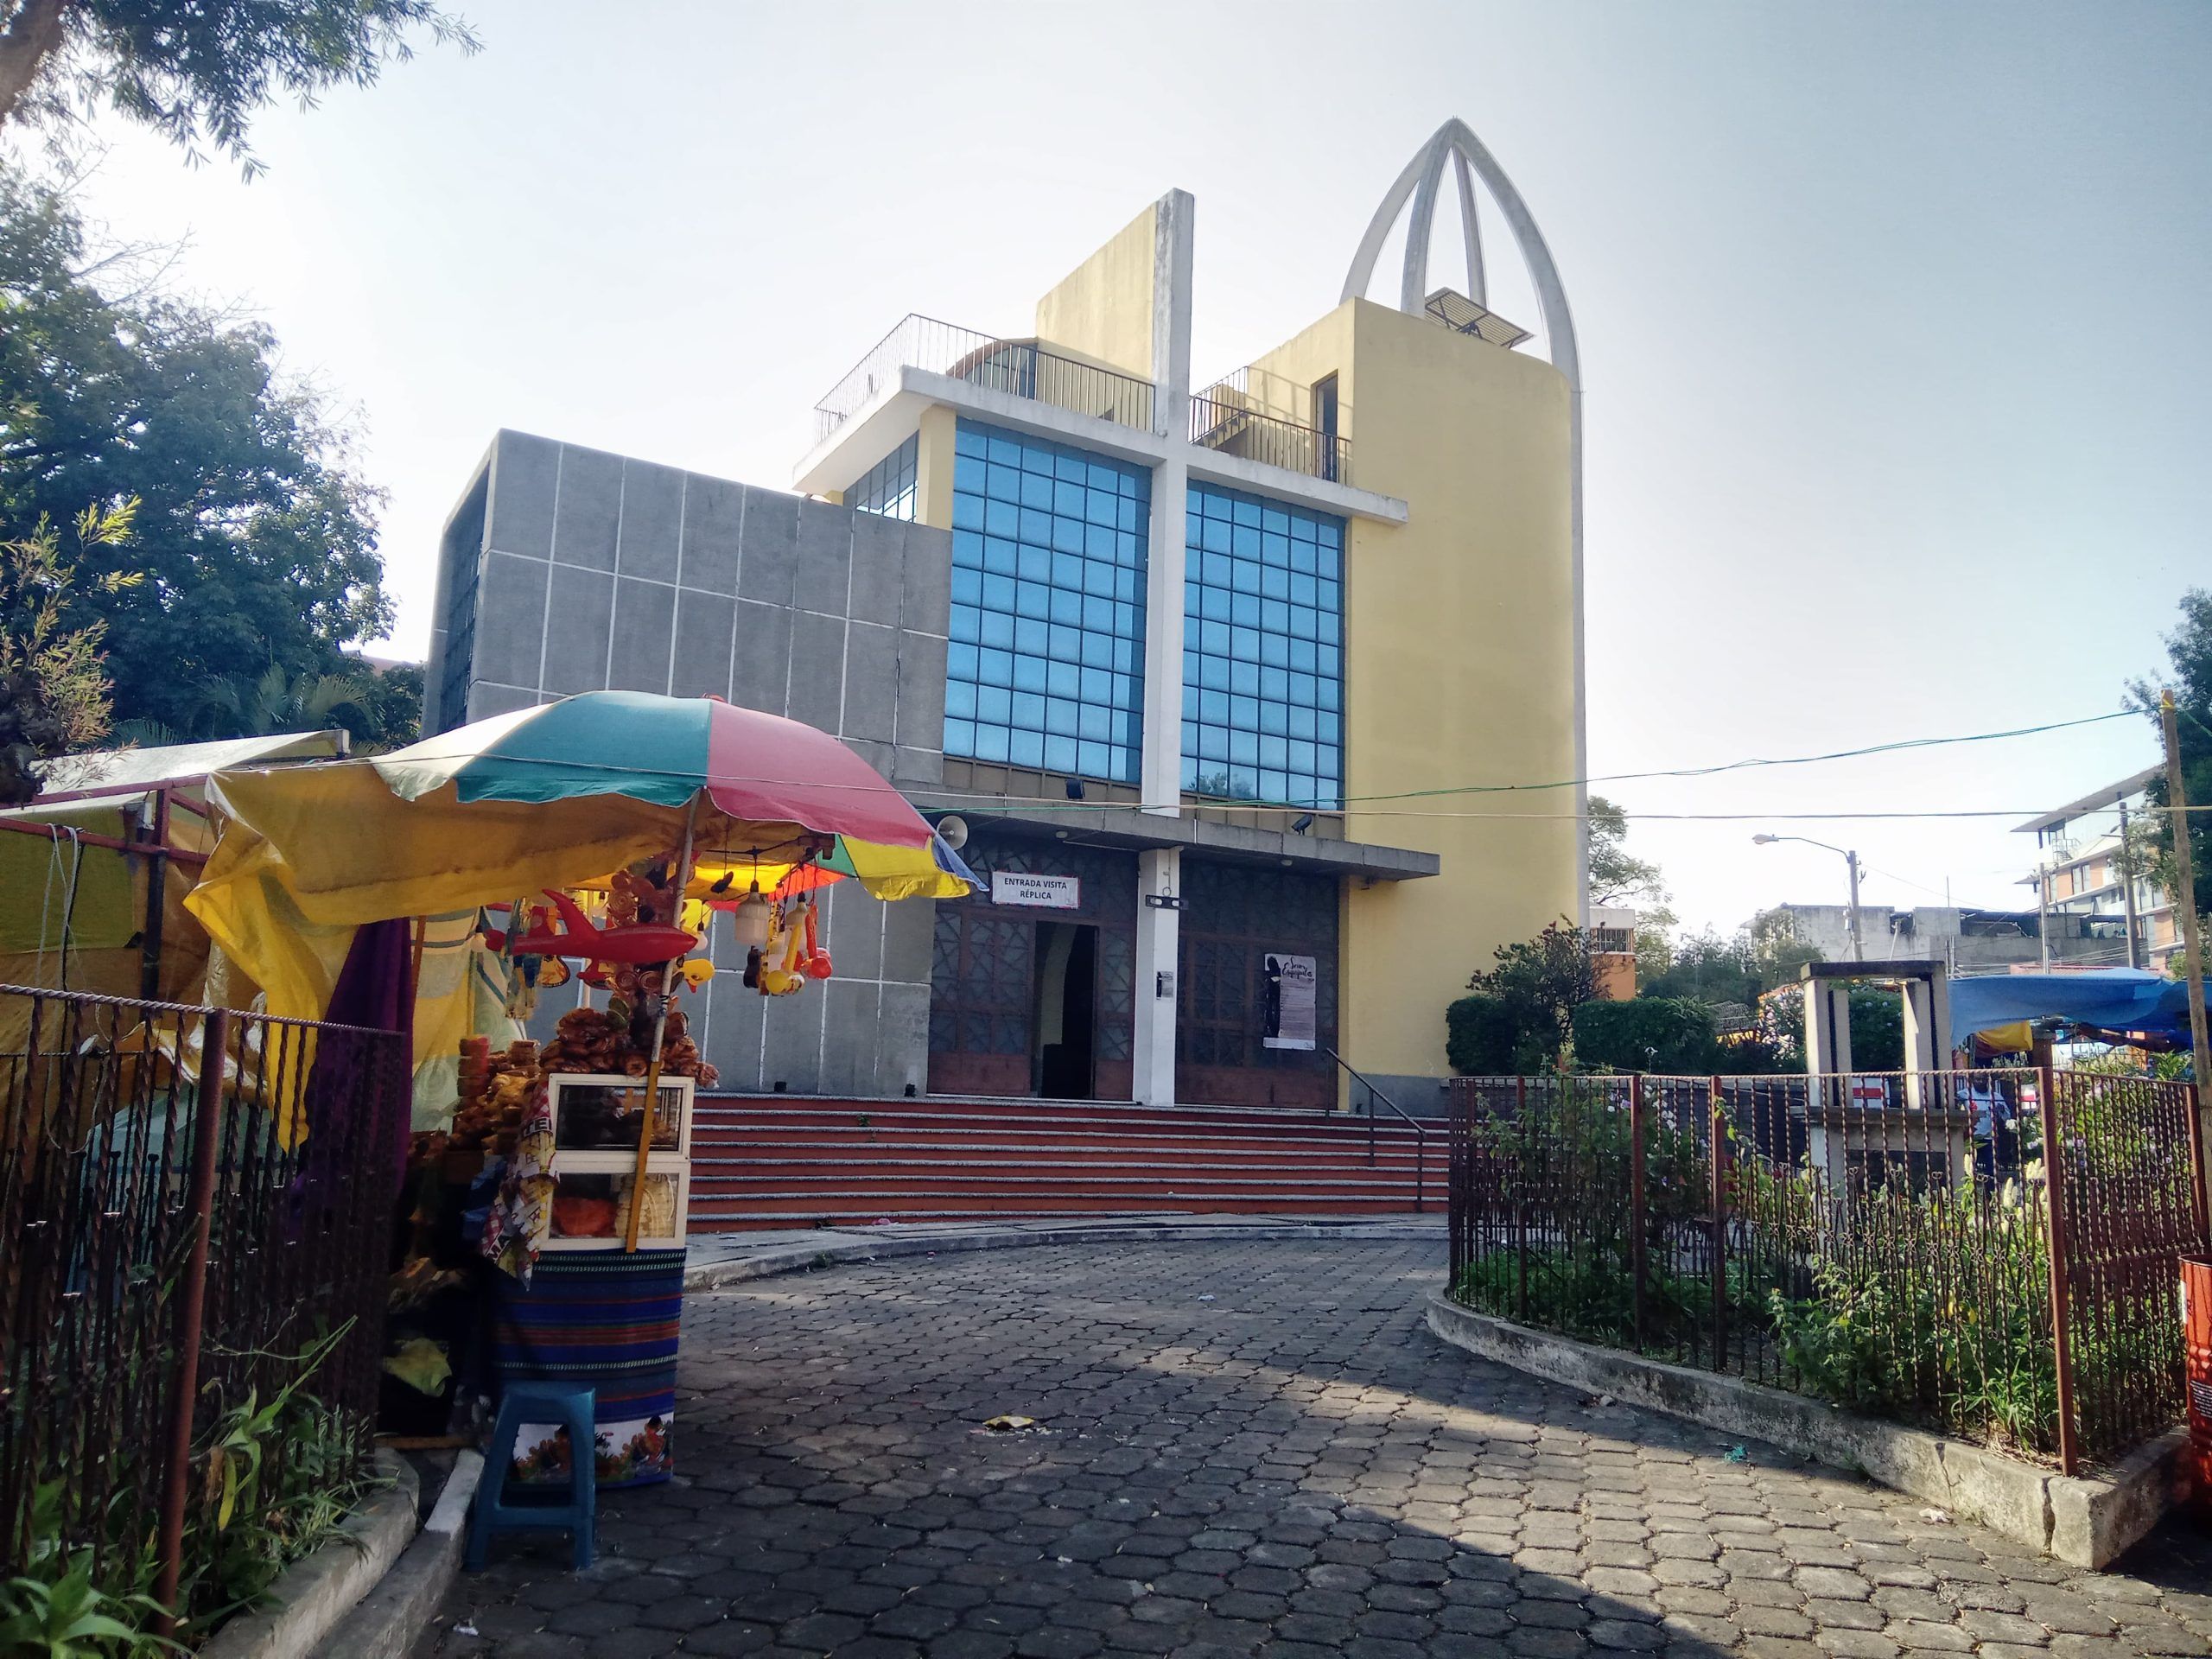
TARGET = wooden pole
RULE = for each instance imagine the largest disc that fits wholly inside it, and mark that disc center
(680, 878)
(157, 866)
(2184, 902)
(2061, 1291)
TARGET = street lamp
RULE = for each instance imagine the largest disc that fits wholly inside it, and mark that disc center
(1858, 945)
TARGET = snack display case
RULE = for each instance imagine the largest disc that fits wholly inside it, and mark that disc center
(595, 1126)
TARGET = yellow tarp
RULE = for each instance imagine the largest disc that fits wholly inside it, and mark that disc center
(94, 891)
(2016, 1038)
(311, 853)
(106, 952)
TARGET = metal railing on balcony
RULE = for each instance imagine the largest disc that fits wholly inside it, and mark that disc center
(1230, 419)
(1021, 368)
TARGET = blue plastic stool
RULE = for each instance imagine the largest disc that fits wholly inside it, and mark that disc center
(495, 1511)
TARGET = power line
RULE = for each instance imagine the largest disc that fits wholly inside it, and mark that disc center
(1365, 804)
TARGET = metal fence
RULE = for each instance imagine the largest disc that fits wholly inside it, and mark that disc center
(1990, 1254)
(173, 1250)
(1018, 367)
(1227, 418)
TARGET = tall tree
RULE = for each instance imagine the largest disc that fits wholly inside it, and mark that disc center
(1618, 877)
(198, 72)
(257, 538)
(53, 694)
(1762, 954)
(2189, 674)
(1538, 983)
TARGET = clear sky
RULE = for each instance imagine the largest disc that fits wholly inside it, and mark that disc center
(1892, 317)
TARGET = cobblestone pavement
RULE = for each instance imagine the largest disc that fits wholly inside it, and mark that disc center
(1245, 1448)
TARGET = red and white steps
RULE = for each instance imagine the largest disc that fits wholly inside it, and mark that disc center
(779, 1160)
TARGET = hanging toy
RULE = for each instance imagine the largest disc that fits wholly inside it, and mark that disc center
(697, 972)
(638, 941)
(782, 971)
(551, 971)
(817, 959)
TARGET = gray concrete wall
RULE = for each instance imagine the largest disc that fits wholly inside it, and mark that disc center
(599, 571)
(1934, 932)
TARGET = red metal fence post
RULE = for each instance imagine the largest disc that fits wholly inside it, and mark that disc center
(1521, 1191)
(1635, 1200)
(206, 1129)
(2054, 1185)
(1717, 1134)
(2199, 1199)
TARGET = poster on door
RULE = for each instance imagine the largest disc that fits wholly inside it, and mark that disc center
(1287, 1001)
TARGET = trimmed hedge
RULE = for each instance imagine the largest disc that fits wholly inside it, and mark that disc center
(1650, 1034)
(1479, 1036)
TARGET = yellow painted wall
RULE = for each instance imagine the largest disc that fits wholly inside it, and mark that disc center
(1460, 661)
(1103, 308)
(933, 451)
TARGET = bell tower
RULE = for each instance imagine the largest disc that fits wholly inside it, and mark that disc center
(1422, 182)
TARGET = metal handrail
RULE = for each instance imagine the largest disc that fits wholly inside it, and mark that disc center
(1022, 368)
(1420, 1135)
(1227, 418)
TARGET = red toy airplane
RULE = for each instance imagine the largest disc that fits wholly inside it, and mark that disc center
(640, 943)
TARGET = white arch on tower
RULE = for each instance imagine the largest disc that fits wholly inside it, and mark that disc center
(1422, 180)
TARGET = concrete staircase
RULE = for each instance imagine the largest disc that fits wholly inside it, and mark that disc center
(786, 1161)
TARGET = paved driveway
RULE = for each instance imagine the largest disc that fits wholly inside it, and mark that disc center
(1245, 1448)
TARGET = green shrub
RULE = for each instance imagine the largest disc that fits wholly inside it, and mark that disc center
(1480, 1036)
(1927, 1304)
(1931, 1308)
(1647, 1034)
(1591, 1294)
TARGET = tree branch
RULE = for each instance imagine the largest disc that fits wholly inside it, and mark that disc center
(28, 41)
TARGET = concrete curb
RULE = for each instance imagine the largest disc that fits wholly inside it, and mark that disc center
(311, 1596)
(809, 1251)
(2082, 1520)
(388, 1620)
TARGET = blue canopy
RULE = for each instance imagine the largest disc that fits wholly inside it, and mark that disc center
(2114, 999)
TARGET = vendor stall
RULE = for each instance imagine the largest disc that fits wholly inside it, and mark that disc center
(598, 838)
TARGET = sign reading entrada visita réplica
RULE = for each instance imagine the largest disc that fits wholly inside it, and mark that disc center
(1035, 892)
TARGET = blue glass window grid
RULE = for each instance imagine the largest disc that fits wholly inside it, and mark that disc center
(1262, 650)
(888, 487)
(1045, 666)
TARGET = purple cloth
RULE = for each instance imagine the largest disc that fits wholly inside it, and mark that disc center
(375, 990)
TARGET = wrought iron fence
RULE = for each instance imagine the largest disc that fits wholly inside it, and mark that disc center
(1021, 368)
(172, 1250)
(1232, 419)
(1990, 1254)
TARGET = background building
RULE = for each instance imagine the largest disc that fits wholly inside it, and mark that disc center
(1182, 661)
(1966, 940)
(2080, 881)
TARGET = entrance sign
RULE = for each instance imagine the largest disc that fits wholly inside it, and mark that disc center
(1036, 891)
(1286, 995)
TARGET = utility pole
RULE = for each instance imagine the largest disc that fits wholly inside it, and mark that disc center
(1858, 943)
(2042, 907)
(2185, 901)
(2127, 863)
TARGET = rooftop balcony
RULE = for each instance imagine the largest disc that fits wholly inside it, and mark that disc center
(1235, 416)
(1246, 429)
(1020, 368)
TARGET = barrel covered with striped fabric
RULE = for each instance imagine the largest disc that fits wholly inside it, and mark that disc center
(605, 1320)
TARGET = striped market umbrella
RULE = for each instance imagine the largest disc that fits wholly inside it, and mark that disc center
(790, 805)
